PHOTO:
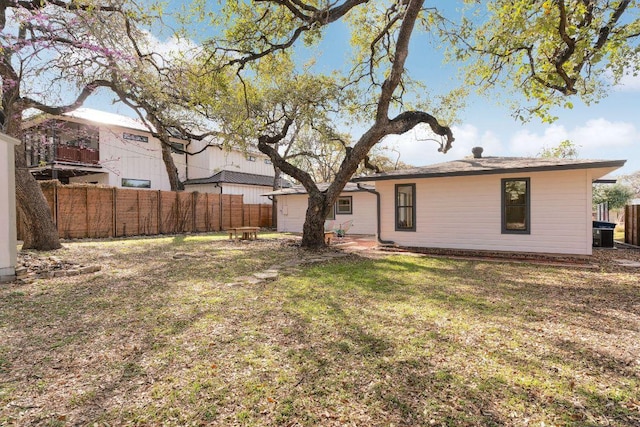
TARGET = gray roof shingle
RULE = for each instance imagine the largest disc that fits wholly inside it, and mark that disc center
(299, 189)
(492, 165)
(233, 177)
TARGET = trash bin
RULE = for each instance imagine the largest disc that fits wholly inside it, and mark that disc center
(603, 237)
(603, 224)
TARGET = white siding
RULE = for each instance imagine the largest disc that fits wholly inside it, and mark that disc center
(213, 160)
(123, 158)
(253, 194)
(8, 239)
(203, 188)
(97, 178)
(465, 213)
(293, 207)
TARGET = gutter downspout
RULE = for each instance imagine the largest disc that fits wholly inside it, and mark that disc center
(383, 242)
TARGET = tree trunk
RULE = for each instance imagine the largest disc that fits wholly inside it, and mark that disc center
(169, 164)
(40, 232)
(274, 201)
(313, 230)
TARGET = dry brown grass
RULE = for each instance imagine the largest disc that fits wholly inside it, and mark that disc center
(396, 340)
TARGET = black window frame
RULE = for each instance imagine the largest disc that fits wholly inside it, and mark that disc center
(178, 148)
(135, 183)
(527, 205)
(412, 206)
(337, 211)
(135, 137)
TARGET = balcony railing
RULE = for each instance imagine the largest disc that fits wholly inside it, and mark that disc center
(67, 153)
(40, 154)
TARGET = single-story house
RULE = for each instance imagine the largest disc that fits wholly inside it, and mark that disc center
(538, 205)
(356, 205)
(251, 186)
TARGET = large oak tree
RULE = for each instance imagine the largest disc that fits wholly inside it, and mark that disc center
(546, 52)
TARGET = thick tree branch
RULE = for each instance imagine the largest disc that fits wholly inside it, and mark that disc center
(88, 89)
(320, 17)
(397, 67)
(71, 5)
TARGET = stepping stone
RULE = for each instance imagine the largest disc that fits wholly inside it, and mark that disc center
(627, 263)
(293, 263)
(254, 281)
(266, 275)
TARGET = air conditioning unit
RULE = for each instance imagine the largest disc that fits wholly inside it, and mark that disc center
(602, 237)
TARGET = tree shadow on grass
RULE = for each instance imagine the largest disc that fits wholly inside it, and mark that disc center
(398, 340)
(511, 300)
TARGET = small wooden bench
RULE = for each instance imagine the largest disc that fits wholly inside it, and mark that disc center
(248, 233)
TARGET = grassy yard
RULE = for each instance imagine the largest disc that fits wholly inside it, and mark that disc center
(401, 340)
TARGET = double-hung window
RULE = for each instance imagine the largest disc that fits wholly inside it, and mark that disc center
(344, 205)
(516, 206)
(405, 207)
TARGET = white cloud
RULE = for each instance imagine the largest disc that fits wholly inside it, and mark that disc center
(596, 138)
(170, 46)
(629, 83)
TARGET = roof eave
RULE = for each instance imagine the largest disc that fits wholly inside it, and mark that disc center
(615, 164)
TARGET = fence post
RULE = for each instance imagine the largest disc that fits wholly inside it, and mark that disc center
(114, 212)
(55, 205)
(138, 211)
(635, 225)
(243, 224)
(158, 207)
(86, 211)
(194, 200)
(206, 213)
(220, 207)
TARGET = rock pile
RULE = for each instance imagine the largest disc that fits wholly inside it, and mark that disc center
(30, 266)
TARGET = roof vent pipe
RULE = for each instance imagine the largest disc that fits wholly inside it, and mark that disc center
(477, 152)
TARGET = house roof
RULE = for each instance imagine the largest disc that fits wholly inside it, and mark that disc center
(492, 165)
(299, 189)
(233, 177)
(102, 117)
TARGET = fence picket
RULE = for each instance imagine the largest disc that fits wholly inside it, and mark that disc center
(114, 212)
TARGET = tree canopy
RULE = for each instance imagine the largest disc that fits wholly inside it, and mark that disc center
(549, 51)
(616, 195)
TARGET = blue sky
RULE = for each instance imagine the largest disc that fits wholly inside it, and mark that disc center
(607, 130)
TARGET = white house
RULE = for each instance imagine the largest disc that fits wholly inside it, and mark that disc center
(222, 171)
(356, 204)
(93, 146)
(8, 239)
(539, 205)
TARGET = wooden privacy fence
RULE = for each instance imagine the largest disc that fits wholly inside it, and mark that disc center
(632, 224)
(84, 211)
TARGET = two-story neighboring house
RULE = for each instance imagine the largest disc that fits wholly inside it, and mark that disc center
(216, 170)
(92, 146)
(96, 147)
